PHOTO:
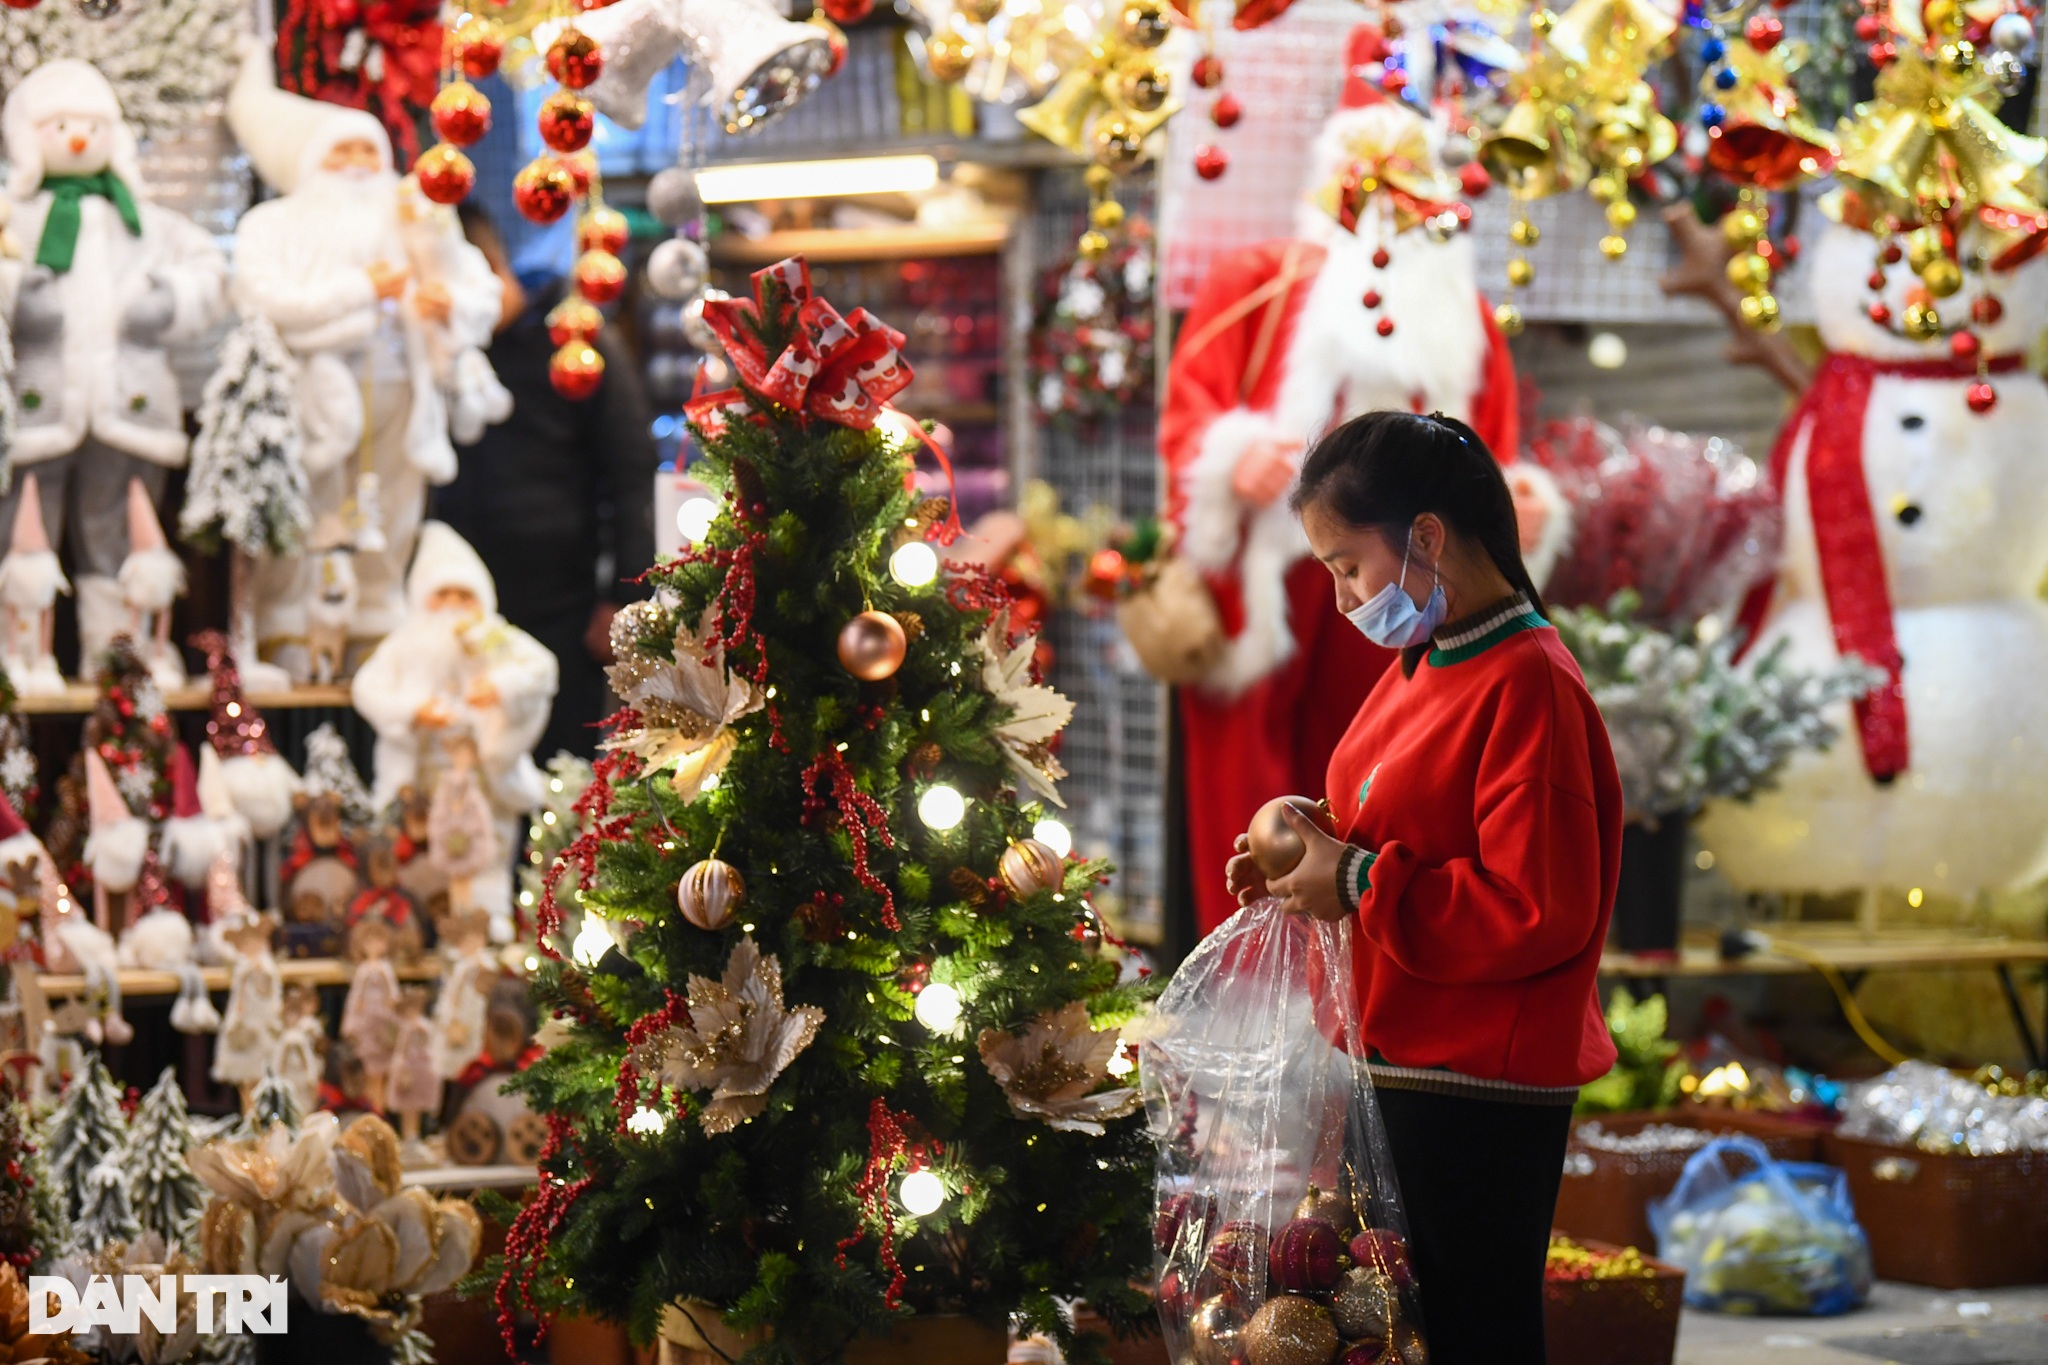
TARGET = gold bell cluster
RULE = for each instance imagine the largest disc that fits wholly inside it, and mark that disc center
(1580, 114)
(1928, 168)
(1106, 104)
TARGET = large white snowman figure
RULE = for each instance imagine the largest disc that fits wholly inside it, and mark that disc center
(1916, 537)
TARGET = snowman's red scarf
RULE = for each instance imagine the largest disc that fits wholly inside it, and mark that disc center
(1859, 601)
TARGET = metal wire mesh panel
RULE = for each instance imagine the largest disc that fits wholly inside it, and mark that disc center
(1115, 750)
(857, 108)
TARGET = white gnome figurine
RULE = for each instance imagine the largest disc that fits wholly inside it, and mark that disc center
(364, 305)
(1916, 536)
(152, 579)
(30, 579)
(110, 281)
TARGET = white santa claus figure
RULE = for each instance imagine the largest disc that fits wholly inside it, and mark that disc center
(1916, 537)
(371, 290)
(112, 280)
(456, 666)
(1373, 305)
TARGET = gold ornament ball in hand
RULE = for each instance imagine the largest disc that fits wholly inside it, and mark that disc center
(1522, 232)
(1108, 215)
(1290, 1330)
(1613, 246)
(710, 893)
(872, 646)
(1742, 227)
(1028, 867)
(1275, 847)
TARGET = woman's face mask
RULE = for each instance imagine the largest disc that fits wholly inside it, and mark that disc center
(1390, 617)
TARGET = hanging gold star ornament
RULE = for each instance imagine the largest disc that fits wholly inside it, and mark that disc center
(1035, 712)
(1107, 104)
(739, 1039)
(686, 701)
(1057, 1071)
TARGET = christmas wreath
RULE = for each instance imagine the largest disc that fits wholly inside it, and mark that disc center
(1091, 342)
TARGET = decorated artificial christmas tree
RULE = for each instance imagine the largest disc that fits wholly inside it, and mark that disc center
(32, 1222)
(331, 772)
(857, 1057)
(86, 1126)
(132, 731)
(166, 1196)
(554, 827)
(105, 1214)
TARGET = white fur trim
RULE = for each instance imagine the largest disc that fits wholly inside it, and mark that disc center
(31, 580)
(1272, 544)
(151, 579)
(191, 843)
(262, 786)
(1536, 483)
(114, 853)
(1214, 522)
(159, 941)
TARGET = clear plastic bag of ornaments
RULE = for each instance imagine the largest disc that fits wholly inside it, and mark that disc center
(1280, 1237)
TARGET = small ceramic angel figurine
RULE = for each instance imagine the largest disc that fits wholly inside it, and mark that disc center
(254, 1020)
(465, 992)
(369, 1017)
(415, 1084)
(462, 834)
(300, 1045)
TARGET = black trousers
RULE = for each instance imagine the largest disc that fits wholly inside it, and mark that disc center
(1479, 1179)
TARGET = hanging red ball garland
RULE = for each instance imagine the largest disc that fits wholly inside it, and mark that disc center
(461, 114)
(573, 319)
(576, 370)
(602, 229)
(567, 121)
(599, 276)
(445, 175)
(575, 60)
(479, 47)
(543, 190)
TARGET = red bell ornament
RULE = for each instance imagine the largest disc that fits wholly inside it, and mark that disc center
(479, 47)
(567, 121)
(602, 229)
(543, 190)
(573, 319)
(461, 114)
(576, 370)
(575, 59)
(599, 276)
(445, 175)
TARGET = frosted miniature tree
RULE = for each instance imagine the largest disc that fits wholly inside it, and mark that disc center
(105, 1214)
(166, 1196)
(330, 771)
(83, 1130)
(271, 1102)
(246, 488)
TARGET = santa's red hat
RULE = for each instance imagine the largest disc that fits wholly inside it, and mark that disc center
(1365, 53)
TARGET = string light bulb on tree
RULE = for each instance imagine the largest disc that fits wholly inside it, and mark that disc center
(938, 1008)
(941, 807)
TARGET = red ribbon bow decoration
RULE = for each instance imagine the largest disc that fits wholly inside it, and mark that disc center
(843, 369)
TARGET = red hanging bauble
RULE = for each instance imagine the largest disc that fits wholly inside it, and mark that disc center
(1380, 257)
(599, 276)
(1881, 313)
(1868, 27)
(1964, 346)
(1226, 111)
(445, 175)
(1211, 162)
(479, 46)
(575, 60)
(582, 169)
(576, 370)
(835, 41)
(543, 190)
(1371, 298)
(1208, 72)
(461, 113)
(21, 4)
(1474, 179)
(847, 11)
(1385, 327)
(1985, 310)
(1105, 574)
(573, 319)
(1764, 31)
(602, 229)
(1981, 397)
(567, 121)
(1876, 281)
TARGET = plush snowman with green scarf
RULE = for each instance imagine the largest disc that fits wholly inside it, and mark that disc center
(107, 280)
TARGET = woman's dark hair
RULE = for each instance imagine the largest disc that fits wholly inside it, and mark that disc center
(1385, 469)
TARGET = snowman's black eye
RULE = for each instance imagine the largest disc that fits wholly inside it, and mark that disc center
(1912, 421)
(1909, 514)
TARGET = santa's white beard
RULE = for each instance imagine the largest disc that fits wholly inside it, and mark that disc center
(338, 222)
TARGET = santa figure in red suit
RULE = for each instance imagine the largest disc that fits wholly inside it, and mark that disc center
(1373, 305)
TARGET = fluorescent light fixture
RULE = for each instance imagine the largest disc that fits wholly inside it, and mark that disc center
(816, 179)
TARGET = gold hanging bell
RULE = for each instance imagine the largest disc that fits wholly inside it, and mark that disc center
(1932, 137)
(1061, 118)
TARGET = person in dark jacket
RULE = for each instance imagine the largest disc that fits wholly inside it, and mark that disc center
(559, 497)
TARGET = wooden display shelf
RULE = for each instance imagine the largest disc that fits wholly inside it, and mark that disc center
(316, 971)
(861, 244)
(464, 1179)
(79, 699)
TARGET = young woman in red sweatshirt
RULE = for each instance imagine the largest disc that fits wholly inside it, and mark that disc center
(1478, 830)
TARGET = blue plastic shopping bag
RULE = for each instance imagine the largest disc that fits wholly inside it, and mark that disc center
(1759, 1235)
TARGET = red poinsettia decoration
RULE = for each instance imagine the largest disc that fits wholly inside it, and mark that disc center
(380, 55)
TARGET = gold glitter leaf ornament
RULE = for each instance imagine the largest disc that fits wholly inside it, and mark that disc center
(1036, 712)
(739, 1039)
(1055, 1071)
(685, 702)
